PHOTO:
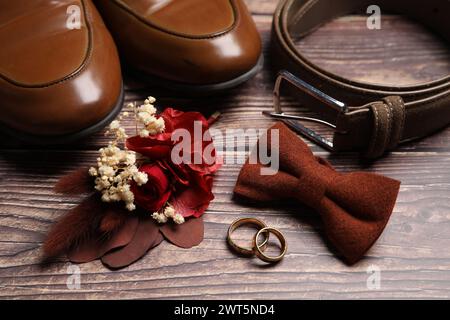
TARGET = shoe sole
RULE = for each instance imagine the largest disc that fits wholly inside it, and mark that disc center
(67, 138)
(202, 90)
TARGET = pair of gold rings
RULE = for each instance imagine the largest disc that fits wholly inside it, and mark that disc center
(258, 246)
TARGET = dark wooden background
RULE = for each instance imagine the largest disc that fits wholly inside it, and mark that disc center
(413, 253)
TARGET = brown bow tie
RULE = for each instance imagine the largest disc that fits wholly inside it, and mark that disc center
(355, 207)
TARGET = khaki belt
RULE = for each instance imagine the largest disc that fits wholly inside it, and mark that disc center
(366, 117)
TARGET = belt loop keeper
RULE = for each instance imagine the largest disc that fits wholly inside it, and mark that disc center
(388, 124)
(397, 106)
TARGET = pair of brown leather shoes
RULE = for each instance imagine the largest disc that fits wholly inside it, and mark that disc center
(60, 76)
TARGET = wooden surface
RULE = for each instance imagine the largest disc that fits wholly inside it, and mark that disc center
(413, 253)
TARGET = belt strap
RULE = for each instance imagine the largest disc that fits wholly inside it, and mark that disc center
(378, 117)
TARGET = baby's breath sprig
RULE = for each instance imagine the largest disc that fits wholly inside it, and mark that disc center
(116, 168)
(116, 129)
(145, 115)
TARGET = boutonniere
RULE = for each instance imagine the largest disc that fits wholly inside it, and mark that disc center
(153, 186)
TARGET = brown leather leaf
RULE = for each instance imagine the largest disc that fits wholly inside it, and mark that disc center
(94, 248)
(146, 236)
(186, 235)
(159, 238)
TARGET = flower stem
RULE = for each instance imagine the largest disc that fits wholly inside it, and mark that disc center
(214, 117)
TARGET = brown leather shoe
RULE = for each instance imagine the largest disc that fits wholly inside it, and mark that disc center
(59, 79)
(190, 45)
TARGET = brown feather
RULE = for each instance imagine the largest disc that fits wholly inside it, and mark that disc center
(75, 183)
(78, 224)
(114, 218)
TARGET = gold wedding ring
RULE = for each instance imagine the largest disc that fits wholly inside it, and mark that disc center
(259, 247)
(240, 222)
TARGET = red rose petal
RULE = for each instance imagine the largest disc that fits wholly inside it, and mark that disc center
(178, 172)
(154, 147)
(93, 249)
(175, 119)
(186, 235)
(194, 200)
(191, 202)
(145, 237)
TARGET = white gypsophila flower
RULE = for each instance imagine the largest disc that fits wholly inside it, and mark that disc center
(131, 206)
(106, 197)
(169, 211)
(114, 197)
(178, 219)
(119, 133)
(144, 133)
(114, 125)
(106, 171)
(160, 218)
(140, 178)
(133, 169)
(128, 197)
(146, 115)
(148, 109)
(156, 126)
(93, 172)
(116, 168)
(101, 184)
(130, 158)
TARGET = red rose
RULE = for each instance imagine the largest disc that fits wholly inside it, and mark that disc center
(153, 195)
(192, 183)
(192, 193)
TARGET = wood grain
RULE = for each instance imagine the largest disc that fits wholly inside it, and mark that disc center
(412, 253)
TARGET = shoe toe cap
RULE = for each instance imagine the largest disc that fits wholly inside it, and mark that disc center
(62, 109)
(210, 53)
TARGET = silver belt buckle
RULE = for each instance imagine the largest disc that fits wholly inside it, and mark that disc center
(308, 133)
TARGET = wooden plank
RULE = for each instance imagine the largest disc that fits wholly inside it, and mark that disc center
(411, 247)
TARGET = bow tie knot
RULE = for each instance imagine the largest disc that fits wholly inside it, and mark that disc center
(311, 188)
(354, 207)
